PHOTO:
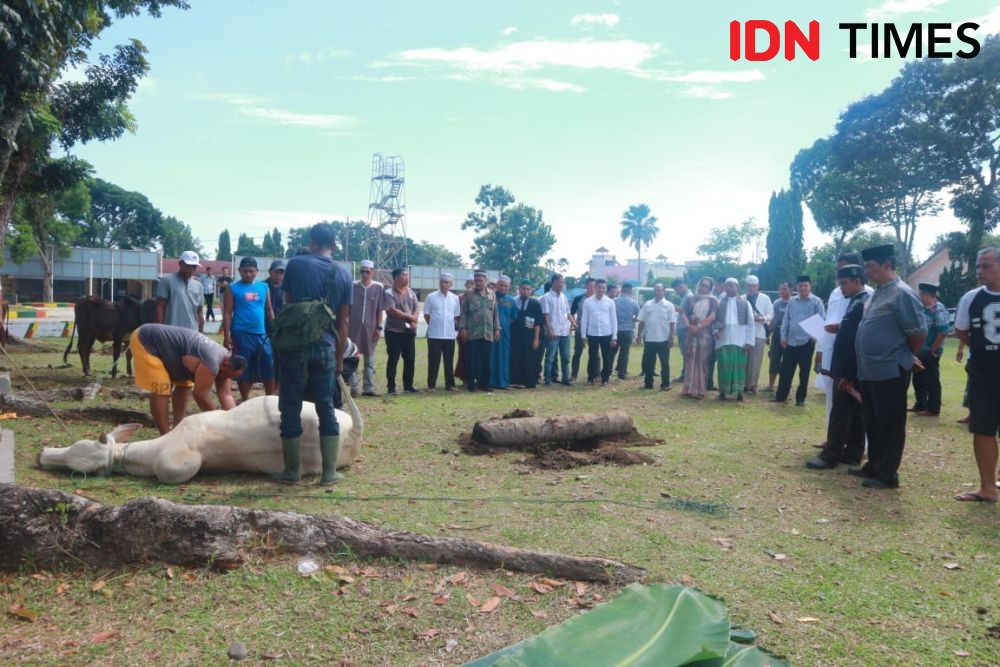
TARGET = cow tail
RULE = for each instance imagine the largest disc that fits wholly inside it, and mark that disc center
(69, 348)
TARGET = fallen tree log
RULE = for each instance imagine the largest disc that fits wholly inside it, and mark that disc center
(88, 392)
(32, 407)
(49, 527)
(536, 430)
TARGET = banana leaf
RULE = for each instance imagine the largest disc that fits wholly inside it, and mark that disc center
(742, 655)
(658, 626)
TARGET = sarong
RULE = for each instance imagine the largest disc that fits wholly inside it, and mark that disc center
(731, 361)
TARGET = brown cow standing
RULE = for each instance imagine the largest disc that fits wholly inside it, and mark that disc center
(100, 320)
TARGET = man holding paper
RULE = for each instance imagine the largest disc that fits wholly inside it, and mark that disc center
(797, 341)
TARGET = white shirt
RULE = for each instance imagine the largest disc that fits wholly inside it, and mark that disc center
(556, 306)
(657, 316)
(963, 320)
(443, 309)
(766, 310)
(599, 317)
(836, 308)
(734, 333)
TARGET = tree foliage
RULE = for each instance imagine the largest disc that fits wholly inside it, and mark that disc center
(119, 218)
(723, 251)
(511, 236)
(38, 40)
(639, 228)
(272, 244)
(246, 246)
(176, 237)
(54, 200)
(822, 263)
(225, 250)
(784, 239)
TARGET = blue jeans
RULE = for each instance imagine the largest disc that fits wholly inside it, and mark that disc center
(560, 345)
(311, 374)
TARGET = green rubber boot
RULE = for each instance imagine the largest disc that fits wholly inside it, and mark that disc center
(290, 453)
(329, 447)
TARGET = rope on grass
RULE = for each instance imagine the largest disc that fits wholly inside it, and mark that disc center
(33, 387)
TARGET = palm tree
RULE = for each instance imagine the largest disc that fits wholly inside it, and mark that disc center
(639, 228)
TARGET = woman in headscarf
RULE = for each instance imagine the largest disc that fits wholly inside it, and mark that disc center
(699, 314)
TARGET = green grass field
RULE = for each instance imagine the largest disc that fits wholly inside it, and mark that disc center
(861, 578)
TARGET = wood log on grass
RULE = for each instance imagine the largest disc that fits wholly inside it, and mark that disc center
(48, 528)
(537, 430)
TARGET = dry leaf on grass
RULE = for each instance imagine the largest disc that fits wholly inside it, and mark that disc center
(490, 605)
(459, 578)
(581, 588)
(430, 567)
(962, 654)
(725, 544)
(23, 613)
(952, 566)
(428, 635)
(538, 614)
(450, 645)
(807, 619)
(170, 573)
(105, 636)
(440, 600)
(554, 583)
(98, 586)
(544, 589)
(473, 600)
(777, 619)
(409, 611)
(62, 588)
(502, 591)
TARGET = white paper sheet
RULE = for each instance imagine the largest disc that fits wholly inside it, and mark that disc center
(814, 326)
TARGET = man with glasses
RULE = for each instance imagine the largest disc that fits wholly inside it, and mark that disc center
(367, 311)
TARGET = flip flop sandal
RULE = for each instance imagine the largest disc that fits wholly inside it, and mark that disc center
(973, 497)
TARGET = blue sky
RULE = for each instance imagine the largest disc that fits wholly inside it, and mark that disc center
(261, 113)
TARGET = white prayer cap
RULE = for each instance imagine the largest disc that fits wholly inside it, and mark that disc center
(446, 276)
(732, 281)
(504, 279)
(367, 264)
(470, 277)
(752, 280)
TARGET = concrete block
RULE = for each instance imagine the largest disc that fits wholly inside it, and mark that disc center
(6, 456)
(5, 387)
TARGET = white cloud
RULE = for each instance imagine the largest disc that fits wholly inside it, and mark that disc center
(891, 8)
(283, 117)
(708, 92)
(989, 24)
(609, 20)
(542, 84)
(622, 54)
(508, 31)
(715, 76)
(315, 57)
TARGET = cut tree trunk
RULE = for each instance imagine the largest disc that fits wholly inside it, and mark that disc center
(49, 528)
(536, 430)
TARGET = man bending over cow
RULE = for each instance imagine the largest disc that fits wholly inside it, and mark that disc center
(174, 362)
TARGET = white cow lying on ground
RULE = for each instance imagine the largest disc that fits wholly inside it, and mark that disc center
(244, 439)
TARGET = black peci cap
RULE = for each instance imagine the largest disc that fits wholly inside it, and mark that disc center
(878, 253)
(851, 271)
(928, 287)
(803, 279)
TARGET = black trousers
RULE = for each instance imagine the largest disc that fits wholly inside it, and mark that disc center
(400, 345)
(620, 355)
(774, 355)
(436, 348)
(799, 356)
(577, 354)
(650, 353)
(927, 384)
(599, 358)
(845, 431)
(477, 364)
(884, 404)
(209, 312)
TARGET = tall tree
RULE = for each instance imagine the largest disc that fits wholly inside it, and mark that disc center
(120, 219)
(822, 263)
(784, 239)
(511, 236)
(176, 237)
(245, 246)
(423, 253)
(50, 208)
(834, 195)
(639, 228)
(224, 252)
(968, 111)
(273, 246)
(38, 41)
(723, 250)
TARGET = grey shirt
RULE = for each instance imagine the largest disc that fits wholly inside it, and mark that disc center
(779, 306)
(172, 344)
(892, 314)
(682, 308)
(627, 310)
(184, 299)
(797, 311)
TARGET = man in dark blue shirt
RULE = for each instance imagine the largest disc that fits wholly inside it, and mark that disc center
(314, 277)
